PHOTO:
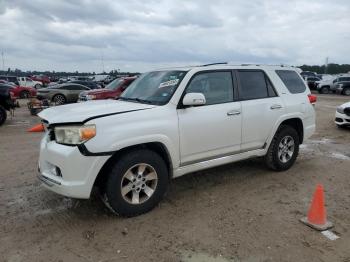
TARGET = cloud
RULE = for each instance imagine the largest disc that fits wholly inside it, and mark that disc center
(141, 35)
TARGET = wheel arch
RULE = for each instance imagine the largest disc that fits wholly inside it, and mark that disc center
(56, 94)
(157, 147)
(296, 123)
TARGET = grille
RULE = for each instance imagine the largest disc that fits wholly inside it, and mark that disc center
(347, 111)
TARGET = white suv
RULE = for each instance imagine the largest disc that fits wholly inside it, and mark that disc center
(172, 122)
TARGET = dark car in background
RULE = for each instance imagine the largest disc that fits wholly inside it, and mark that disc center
(12, 79)
(311, 82)
(111, 91)
(62, 94)
(306, 74)
(7, 101)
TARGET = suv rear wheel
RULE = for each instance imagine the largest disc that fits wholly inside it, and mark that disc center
(136, 183)
(283, 149)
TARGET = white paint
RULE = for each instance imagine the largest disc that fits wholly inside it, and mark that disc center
(330, 235)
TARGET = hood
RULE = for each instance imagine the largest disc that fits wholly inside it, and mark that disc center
(345, 105)
(83, 112)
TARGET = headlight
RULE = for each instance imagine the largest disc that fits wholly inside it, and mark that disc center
(90, 97)
(340, 85)
(74, 135)
(340, 110)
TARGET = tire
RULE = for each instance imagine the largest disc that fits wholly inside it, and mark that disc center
(37, 86)
(121, 175)
(280, 159)
(3, 115)
(59, 99)
(341, 126)
(346, 91)
(24, 94)
(325, 90)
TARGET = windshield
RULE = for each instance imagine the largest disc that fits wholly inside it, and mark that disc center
(114, 84)
(154, 87)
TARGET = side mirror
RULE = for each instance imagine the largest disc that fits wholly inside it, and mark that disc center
(194, 99)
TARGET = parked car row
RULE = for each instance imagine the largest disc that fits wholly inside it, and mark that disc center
(326, 84)
(79, 91)
(22, 81)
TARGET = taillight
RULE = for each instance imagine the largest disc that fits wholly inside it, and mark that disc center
(12, 95)
(312, 98)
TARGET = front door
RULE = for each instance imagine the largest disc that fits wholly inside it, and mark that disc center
(214, 129)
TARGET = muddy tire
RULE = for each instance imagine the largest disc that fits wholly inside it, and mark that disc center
(3, 115)
(284, 149)
(136, 183)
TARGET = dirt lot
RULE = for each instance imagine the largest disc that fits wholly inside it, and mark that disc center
(238, 212)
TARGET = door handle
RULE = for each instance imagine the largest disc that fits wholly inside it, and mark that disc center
(277, 106)
(233, 113)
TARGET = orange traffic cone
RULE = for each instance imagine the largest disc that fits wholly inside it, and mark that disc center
(37, 128)
(317, 217)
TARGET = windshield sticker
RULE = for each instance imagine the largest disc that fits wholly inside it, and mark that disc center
(169, 83)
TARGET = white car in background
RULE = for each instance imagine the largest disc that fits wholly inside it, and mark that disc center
(342, 115)
(27, 82)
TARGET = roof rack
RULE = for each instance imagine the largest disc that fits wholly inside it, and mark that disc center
(219, 63)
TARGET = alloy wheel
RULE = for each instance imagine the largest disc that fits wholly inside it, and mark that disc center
(59, 100)
(286, 149)
(139, 183)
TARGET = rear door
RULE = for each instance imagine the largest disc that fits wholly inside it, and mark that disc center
(214, 129)
(261, 107)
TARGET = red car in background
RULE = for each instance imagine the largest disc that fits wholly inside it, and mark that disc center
(113, 90)
(41, 78)
(20, 91)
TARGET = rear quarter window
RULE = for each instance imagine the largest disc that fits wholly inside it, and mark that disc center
(292, 81)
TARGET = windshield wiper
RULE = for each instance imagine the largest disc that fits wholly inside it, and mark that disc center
(139, 100)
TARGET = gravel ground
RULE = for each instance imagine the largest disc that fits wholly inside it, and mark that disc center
(237, 212)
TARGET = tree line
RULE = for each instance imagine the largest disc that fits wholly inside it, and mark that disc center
(330, 69)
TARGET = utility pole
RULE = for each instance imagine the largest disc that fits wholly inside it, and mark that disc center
(102, 62)
(3, 61)
(326, 66)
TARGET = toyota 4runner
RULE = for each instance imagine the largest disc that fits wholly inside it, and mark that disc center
(172, 122)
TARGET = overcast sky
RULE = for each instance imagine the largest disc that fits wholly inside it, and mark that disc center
(139, 35)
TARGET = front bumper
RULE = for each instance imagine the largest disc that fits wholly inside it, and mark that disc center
(64, 170)
(342, 119)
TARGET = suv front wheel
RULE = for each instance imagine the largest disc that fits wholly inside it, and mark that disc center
(136, 183)
(283, 149)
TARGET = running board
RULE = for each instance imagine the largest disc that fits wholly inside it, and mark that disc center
(217, 162)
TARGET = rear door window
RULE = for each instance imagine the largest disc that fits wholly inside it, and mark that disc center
(292, 81)
(254, 85)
